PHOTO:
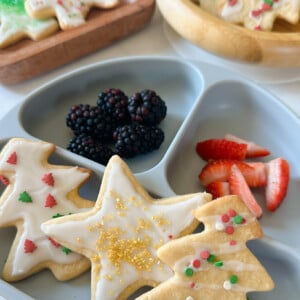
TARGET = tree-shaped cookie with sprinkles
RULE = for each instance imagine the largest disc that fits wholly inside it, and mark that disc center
(35, 192)
(215, 263)
(122, 233)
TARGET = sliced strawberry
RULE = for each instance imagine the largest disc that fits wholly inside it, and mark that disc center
(253, 150)
(221, 149)
(219, 170)
(218, 189)
(238, 186)
(277, 183)
(258, 175)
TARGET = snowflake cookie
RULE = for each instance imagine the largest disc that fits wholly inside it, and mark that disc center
(70, 13)
(121, 234)
(15, 24)
(216, 263)
(35, 192)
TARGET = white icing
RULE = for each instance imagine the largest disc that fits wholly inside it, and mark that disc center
(176, 216)
(26, 176)
(70, 13)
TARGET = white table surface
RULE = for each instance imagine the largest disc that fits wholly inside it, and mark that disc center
(151, 40)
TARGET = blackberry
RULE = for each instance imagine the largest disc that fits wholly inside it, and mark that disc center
(147, 108)
(114, 103)
(87, 119)
(88, 147)
(134, 139)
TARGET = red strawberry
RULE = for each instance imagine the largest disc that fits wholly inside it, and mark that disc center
(218, 189)
(219, 170)
(221, 149)
(258, 176)
(253, 150)
(238, 186)
(277, 184)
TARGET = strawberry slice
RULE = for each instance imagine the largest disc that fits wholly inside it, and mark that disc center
(277, 182)
(221, 149)
(238, 186)
(218, 189)
(219, 170)
(253, 150)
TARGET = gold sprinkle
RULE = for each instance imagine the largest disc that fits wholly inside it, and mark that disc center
(121, 213)
(108, 277)
(110, 217)
(79, 239)
(143, 224)
(160, 220)
(120, 204)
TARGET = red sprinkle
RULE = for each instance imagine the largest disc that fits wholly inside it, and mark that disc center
(256, 13)
(4, 180)
(29, 246)
(229, 229)
(196, 263)
(192, 285)
(232, 242)
(204, 254)
(258, 28)
(232, 213)
(170, 236)
(232, 2)
(50, 201)
(12, 159)
(48, 179)
(225, 218)
(266, 7)
(53, 242)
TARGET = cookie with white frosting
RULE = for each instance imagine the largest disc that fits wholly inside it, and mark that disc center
(35, 192)
(121, 234)
(69, 13)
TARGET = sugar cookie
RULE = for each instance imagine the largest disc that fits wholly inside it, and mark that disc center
(15, 24)
(35, 192)
(256, 14)
(216, 263)
(70, 13)
(121, 234)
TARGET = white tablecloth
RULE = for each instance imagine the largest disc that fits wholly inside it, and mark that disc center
(150, 40)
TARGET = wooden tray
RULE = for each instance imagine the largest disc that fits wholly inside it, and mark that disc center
(280, 48)
(27, 58)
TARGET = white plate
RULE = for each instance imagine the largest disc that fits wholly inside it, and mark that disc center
(203, 101)
(257, 73)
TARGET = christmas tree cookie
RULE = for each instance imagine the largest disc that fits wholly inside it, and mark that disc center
(15, 24)
(69, 13)
(216, 263)
(122, 233)
(35, 192)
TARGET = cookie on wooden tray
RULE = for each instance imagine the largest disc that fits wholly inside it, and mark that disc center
(16, 24)
(122, 233)
(35, 192)
(69, 13)
(216, 263)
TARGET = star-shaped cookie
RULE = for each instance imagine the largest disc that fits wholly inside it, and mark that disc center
(121, 233)
(69, 13)
(15, 24)
(37, 191)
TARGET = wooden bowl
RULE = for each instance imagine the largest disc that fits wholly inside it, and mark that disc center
(281, 47)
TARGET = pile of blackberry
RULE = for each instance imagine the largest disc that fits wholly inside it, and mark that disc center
(117, 124)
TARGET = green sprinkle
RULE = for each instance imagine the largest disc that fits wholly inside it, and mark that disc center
(57, 215)
(66, 250)
(218, 264)
(233, 279)
(211, 258)
(238, 219)
(270, 2)
(189, 272)
(24, 197)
